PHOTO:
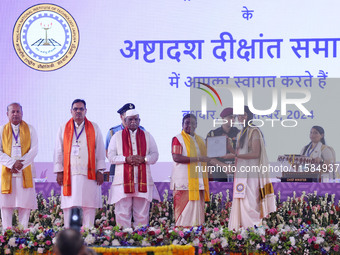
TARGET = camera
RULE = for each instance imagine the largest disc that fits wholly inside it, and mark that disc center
(76, 218)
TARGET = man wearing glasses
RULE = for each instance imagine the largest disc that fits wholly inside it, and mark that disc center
(79, 161)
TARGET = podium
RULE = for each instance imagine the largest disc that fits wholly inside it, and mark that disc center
(296, 161)
(301, 177)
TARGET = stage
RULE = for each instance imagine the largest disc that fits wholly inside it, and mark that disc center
(286, 189)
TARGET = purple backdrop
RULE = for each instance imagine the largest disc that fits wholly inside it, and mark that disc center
(286, 188)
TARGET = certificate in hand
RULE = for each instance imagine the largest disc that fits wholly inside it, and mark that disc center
(216, 146)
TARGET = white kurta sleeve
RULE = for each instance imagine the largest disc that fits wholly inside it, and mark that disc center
(112, 152)
(100, 150)
(152, 157)
(5, 160)
(28, 158)
(58, 157)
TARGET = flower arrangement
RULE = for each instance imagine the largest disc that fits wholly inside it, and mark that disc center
(302, 225)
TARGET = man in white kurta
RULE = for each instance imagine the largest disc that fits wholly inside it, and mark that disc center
(23, 199)
(136, 200)
(84, 191)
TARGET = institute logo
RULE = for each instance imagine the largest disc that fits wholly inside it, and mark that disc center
(45, 37)
(240, 187)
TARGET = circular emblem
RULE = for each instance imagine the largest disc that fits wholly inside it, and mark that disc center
(45, 37)
(240, 187)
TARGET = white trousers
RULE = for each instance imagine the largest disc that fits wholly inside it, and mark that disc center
(88, 217)
(7, 213)
(128, 206)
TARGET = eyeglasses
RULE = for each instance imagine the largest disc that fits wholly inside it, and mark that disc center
(75, 109)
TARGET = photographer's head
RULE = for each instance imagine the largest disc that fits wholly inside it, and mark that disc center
(69, 242)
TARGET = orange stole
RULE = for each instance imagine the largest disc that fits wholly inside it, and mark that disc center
(91, 148)
(25, 141)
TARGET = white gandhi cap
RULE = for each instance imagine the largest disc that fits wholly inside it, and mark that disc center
(131, 112)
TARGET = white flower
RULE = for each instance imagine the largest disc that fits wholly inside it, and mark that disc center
(128, 230)
(115, 242)
(93, 230)
(327, 248)
(183, 241)
(131, 241)
(260, 231)
(212, 236)
(108, 232)
(196, 242)
(175, 242)
(224, 242)
(286, 228)
(41, 236)
(244, 233)
(40, 250)
(57, 221)
(292, 240)
(306, 236)
(11, 242)
(54, 240)
(89, 239)
(319, 240)
(145, 243)
(33, 230)
(274, 239)
(106, 243)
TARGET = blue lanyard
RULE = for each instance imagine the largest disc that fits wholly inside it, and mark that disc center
(309, 152)
(75, 131)
(16, 136)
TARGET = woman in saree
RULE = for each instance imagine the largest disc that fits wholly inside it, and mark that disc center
(253, 193)
(189, 180)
